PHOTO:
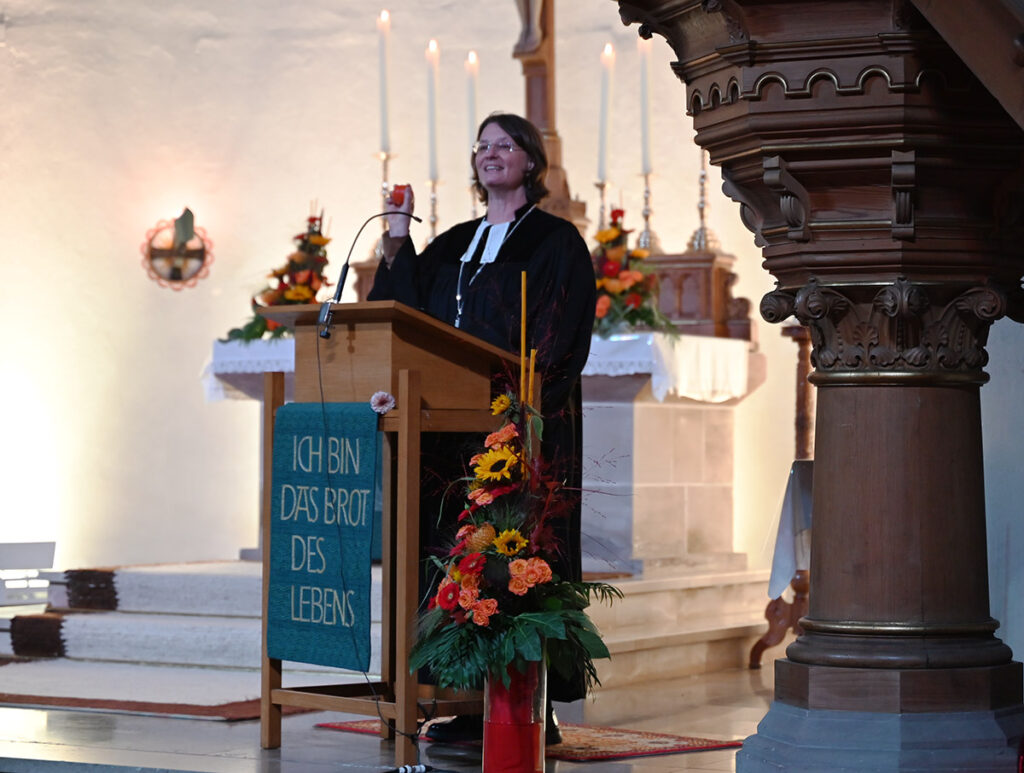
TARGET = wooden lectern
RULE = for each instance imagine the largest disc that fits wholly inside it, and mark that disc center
(441, 379)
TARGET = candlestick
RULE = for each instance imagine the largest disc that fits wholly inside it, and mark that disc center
(472, 85)
(647, 239)
(383, 45)
(433, 67)
(385, 187)
(607, 64)
(601, 185)
(644, 48)
(433, 209)
(533, 364)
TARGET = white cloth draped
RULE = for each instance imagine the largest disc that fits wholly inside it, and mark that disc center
(235, 371)
(710, 370)
(703, 368)
(793, 541)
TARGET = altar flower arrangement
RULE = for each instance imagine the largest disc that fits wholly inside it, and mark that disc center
(296, 282)
(627, 292)
(500, 604)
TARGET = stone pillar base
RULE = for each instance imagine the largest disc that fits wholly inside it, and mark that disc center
(898, 690)
(799, 740)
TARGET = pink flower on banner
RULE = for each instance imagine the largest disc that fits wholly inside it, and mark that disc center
(382, 402)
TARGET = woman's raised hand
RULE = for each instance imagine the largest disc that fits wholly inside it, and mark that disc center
(401, 199)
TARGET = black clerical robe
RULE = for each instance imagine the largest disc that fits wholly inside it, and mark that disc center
(559, 288)
(560, 295)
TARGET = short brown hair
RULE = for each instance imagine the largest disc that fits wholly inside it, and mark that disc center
(526, 136)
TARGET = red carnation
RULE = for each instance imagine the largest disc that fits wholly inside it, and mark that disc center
(634, 301)
(618, 214)
(472, 564)
(611, 269)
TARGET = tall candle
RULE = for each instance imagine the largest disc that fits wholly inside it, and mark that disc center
(644, 49)
(383, 39)
(433, 67)
(472, 76)
(522, 340)
(607, 65)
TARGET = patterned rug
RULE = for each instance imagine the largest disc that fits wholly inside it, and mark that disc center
(583, 743)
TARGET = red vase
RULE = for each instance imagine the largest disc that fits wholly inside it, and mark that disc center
(514, 721)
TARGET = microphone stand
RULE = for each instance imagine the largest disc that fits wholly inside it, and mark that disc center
(326, 313)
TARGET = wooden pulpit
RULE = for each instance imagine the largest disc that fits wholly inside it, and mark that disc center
(441, 378)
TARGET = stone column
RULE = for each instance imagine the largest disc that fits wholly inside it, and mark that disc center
(881, 179)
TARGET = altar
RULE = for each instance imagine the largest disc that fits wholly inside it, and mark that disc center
(657, 443)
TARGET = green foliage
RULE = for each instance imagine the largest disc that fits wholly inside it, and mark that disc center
(499, 603)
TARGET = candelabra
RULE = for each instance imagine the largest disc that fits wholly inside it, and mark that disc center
(433, 209)
(601, 185)
(647, 239)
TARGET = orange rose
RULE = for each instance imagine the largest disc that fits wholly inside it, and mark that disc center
(502, 436)
(603, 304)
(518, 586)
(517, 568)
(468, 597)
(537, 571)
(483, 610)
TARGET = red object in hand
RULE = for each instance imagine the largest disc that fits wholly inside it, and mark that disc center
(398, 195)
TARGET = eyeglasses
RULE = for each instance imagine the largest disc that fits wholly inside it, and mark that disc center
(502, 147)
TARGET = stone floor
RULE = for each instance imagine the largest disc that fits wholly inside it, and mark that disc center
(725, 705)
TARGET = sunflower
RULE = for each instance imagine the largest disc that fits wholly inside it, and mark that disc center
(510, 542)
(500, 404)
(496, 464)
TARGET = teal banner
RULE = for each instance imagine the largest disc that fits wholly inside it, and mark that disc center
(322, 511)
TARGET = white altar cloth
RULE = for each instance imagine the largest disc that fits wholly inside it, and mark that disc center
(793, 541)
(235, 370)
(710, 370)
(703, 368)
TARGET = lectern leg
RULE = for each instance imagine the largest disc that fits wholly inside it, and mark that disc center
(407, 547)
(270, 670)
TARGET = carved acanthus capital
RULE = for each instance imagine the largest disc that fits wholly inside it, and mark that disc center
(899, 332)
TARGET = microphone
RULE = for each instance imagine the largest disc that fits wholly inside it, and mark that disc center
(326, 315)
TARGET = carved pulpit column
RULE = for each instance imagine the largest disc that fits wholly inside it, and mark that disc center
(878, 175)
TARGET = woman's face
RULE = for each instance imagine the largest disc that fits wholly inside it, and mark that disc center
(498, 167)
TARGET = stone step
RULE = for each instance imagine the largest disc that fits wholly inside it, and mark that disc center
(663, 628)
(658, 603)
(158, 639)
(215, 588)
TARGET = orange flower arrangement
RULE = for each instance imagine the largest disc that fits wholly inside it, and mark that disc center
(296, 282)
(627, 293)
(500, 602)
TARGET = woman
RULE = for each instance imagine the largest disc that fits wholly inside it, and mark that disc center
(470, 277)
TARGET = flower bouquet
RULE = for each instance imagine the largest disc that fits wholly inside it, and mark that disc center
(296, 282)
(627, 292)
(500, 604)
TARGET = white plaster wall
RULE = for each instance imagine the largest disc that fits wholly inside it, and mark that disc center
(116, 115)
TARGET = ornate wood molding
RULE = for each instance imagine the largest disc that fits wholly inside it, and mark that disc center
(897, 332)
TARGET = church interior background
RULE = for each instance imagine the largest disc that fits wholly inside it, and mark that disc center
(116, 116)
